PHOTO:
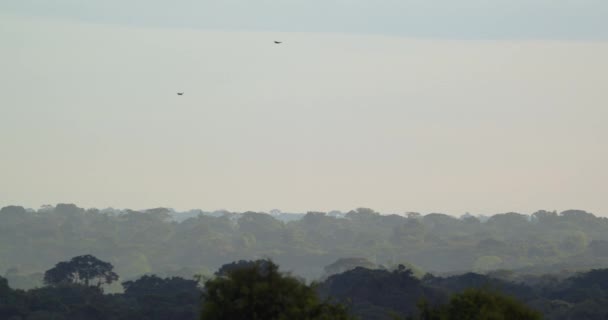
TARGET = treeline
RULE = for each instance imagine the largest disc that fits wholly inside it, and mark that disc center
(259, 290)
(150, 241)
(73, 291)
(382, 294)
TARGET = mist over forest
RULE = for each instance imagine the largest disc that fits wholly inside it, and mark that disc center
(162, 264)
(165, 242)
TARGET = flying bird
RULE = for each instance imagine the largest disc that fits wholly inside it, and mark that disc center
(180, 93)
(278, 42)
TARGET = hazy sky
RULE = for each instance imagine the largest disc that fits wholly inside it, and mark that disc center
(430, 106)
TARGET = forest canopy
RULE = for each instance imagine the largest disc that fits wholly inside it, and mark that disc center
(169, 243)
(376, 266)
(257, 289)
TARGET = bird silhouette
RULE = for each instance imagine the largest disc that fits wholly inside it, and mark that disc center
(278, 42)
(180, 93)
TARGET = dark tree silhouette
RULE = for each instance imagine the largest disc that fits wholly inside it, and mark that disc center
(83, 270)
(154, 285)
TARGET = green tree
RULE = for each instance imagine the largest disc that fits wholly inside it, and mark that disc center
(479, 304)
(259, 291)
(81, 270)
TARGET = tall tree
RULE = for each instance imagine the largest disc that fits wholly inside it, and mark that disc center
(260, 291)
(83, 270)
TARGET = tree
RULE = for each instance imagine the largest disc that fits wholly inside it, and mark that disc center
(260, 291)
(154, 285)
(81, 270)
(228, 268)
(345, 264)
(374, 294)
(169, 298)
(479, 304)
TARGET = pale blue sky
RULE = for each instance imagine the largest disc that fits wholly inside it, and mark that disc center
(456, 19)
(504, 108)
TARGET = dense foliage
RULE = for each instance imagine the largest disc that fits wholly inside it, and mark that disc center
(81, 270)
(258, 291)
(170, 243)
(384, 294)
(80, 302)
(249, 290)
(479, 304)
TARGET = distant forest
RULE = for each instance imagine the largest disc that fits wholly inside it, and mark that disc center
(167, 243)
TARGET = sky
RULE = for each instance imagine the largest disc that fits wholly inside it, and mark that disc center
(429, 106)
